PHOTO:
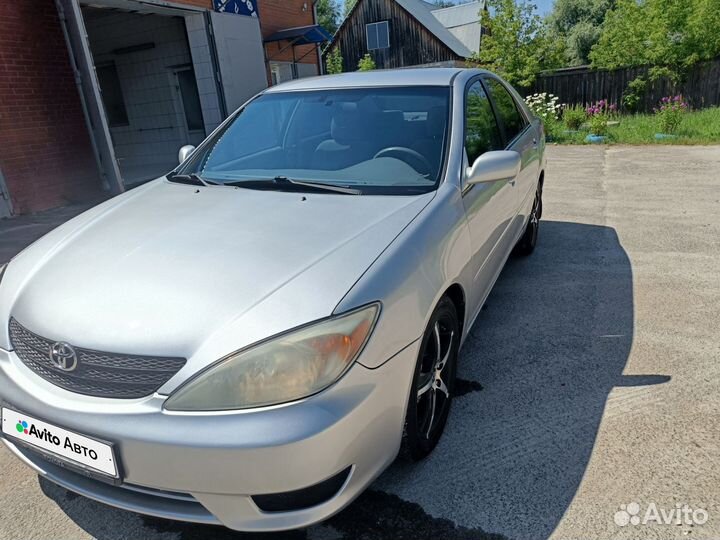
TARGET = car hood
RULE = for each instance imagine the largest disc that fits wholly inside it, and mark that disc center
(198, 272)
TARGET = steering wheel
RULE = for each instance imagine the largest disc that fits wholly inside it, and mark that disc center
(403, 153)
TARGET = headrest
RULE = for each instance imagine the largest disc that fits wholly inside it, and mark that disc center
(352, 123)
(347, 124)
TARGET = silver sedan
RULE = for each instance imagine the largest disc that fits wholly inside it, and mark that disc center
(252, 339)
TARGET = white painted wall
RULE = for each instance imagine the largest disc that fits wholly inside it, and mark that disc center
(148, 146)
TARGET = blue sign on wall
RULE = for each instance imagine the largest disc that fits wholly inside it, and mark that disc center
(239, 7)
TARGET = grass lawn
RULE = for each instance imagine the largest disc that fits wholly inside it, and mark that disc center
(697, 127)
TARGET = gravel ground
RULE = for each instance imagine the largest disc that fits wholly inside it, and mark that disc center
(590, 381)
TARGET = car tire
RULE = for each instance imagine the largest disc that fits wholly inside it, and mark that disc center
(528, 240)
(433, 383)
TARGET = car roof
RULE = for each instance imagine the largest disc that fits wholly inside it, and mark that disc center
(380, 77)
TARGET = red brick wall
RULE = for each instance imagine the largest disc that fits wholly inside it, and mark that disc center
(281, 14)
(45, 151)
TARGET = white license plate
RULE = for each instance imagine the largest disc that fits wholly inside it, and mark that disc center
(68, 445)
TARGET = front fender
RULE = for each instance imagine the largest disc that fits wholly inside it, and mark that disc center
(411, 275)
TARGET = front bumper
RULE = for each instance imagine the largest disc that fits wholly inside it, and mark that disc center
(205, 467)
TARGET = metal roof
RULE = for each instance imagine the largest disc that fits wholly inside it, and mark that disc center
(425, 16)
(380, 77)
(301, 35)
(463, 21)
(459, 15)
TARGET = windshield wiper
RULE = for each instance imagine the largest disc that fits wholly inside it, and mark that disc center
(285, 182)
(193, 179)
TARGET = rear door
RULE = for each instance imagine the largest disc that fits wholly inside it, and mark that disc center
(518, 135)
(490, 207)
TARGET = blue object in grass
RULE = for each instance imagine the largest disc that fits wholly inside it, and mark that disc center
(595, 139)
(661, 136)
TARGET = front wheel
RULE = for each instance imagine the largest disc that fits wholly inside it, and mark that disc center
(433, 383)
(528, 241)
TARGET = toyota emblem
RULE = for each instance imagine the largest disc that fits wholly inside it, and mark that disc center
(63, 356)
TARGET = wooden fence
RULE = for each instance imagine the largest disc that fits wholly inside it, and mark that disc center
(582, 86)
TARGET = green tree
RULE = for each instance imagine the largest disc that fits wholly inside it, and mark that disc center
(366, 63)
(348, 5)
(328, 14)
(333, 61)
(578, 23)
(517, 45)
(672, 35)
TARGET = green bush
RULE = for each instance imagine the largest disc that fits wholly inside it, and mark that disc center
(366, 63)
(634, 91)
(334, 61)
(574, 117)
(599, 124)
(670, 113)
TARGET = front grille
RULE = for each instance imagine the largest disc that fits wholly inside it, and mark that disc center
(97, 373)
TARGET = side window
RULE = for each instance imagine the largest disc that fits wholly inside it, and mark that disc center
(481, 129)
(507, 110)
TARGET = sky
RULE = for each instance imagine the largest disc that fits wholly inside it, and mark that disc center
(544, 6)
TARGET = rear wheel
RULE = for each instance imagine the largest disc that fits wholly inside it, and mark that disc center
(433, 383)
(527, 242)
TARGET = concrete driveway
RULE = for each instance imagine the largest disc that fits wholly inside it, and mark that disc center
(590, 381)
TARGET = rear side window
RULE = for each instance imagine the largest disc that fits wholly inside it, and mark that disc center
(507, 110)
(481, 129)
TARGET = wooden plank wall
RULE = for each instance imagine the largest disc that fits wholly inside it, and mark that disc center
(410, 43)
(701, 87)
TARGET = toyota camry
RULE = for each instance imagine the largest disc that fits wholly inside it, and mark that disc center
(253, 338)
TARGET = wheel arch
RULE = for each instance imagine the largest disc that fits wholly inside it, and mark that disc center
(457, 294)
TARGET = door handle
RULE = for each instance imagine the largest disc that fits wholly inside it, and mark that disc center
(534, 143)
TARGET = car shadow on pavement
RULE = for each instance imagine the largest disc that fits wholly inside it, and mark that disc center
(548, 349)
(536, 372)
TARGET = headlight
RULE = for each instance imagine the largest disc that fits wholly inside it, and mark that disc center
(284, 368)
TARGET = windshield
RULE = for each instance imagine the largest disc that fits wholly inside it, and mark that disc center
(376, 140)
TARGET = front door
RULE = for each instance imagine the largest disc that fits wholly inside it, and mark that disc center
(490, 207)
(520, 136)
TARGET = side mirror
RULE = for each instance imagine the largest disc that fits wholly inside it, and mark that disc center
(185, 152)
(494, 166)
